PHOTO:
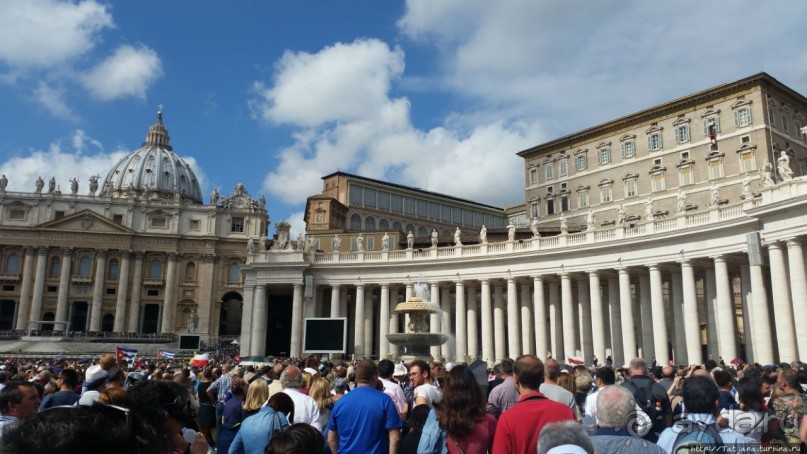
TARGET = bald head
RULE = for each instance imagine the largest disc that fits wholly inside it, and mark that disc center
(552, 369)
(291, 378)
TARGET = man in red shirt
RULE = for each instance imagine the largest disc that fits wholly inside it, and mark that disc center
(518, 427)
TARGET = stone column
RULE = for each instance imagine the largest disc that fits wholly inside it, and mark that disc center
(170, 303)
(393, 319)
(646, 314)
(472, 319)
(615, 316)
(597, 323)
(246, 319)
(39, 283)
(207, 310)
(782, 306)
(584, 315)
(748, 328)
(539, 309)
(369, 318)
(335, 300)
(555, 330)
(499, 330)
(659, 316)
(258, 341)
(461, 322)
(513, 337)
(677, 296)
(569, 322)
(626, 315)
(119, 324)
(487, 323)
(445, 323)
(798, 286)
(711, 321)
(358, 328)
(98, 290)
(763, 341)
(383, 322)
(527, 334)
(23, 312)
(343, 302)
(436, 318)
(726, 320)
(64, 286)
(295, 350)
(692, 325)
(137, 285)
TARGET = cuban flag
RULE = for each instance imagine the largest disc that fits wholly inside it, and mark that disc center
(127, 354)
(200, 360)
(165, 354)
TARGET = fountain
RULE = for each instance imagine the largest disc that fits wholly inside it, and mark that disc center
(417, 339)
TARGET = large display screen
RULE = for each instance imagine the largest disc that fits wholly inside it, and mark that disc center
(325, 335)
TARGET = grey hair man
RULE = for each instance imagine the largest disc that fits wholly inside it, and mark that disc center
(305, 408)
(616, 411)
(564, 437)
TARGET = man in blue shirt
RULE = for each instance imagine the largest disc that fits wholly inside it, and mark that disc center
(365, 419)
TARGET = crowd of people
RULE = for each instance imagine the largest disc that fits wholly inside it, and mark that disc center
(311, 406)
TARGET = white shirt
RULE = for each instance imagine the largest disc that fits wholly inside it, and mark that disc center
(395, 391)
(431, 393)
(305, 408)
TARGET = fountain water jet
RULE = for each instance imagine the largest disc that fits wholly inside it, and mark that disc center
(417, 339)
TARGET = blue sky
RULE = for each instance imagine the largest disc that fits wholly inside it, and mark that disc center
(437, 94)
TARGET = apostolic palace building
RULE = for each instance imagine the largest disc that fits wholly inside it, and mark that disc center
(675, 233)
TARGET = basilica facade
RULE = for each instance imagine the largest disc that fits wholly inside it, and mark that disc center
(674, 233)
(138, 251)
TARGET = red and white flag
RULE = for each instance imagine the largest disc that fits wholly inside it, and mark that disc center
(200, 360)
(576, 360)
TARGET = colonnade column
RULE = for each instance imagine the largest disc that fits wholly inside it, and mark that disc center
(25, 292)
(626, 314)
(487, 323)
(692, 326)
(436, 318)
(358, 323)
(539, 311)
(461, 335)
(711, 323)
(569, 323)
(646, 317)
(64, 286)
(335, 300)
(513, 338)
(39, 284)
(445, 323)
(137, 284)
(798, 286)
(471, 319)
(295, 349)
(123, 292)
(259, 303)
(393, 319)
(170, 303)
(677, 301)
(98, 290)
(659, 316)
(555, 330)
(584, 314)
(383, 322)
(726, 320)
(498, 323)
(597, 323)
(782, 308)
(369, 318)
(748, 327)
(246, 320)
(527, 334)
(763, 341)
(615, 316)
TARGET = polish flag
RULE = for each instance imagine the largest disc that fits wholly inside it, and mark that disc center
(201, 360)
(576, 360)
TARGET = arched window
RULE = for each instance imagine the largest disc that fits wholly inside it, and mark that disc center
(112, 270)
(423, 231)
(369, 223)
(233, 273)
(355, 222)
(397, 225)
(84, 266)
(13, 264)
(55, 267)
(155, 269)
(190, 272)
(410, 228)
(383, 224)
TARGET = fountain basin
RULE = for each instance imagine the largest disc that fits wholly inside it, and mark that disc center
(417, 345)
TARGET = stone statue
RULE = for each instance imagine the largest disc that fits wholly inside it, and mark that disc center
(385, 242)
(107, 189)
(337, 243)
(93, 184)
(681, 202)
(193, 321)
(263, 202)
(621, 214)
(590, 219)
(410, 240)
(714, 196)
(74, 186)
(251, 246)
(564, 226)
(360, 243)
(648, 209)
(511, 232)
(483, 235)
(746, 193)
(435, 237)
(458, 237)
(767, 175)
(3, 183)
(214, 197)
(283, 237)
(534, 228)
(51, 185)
(783, 166)
(300, 242)
(262, 242)
(39, 185)
(309, 244)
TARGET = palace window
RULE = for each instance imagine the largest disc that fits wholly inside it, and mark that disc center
(355, 222)
(370, 244)
(550, 206)
(628, 146)
(383, 224)
(535, 209)
(550, 172)
(320, 216)
(747, 156)
(657, 178)
(772, 116)
(13, 264)
(370, 198)
(234, 273)
(112, 270)
(55, 267)
(604, 155)
(582, 197)
(533, 175)
(785, 128)
(84, 266)
(654, 141)
(711, 120)
(580, 162)
(396, 203)
(682, 133)
(606, 191)
(714, 162)
(237, 224)
(155, 269)
(742, 117)
(631, 186)
(383, 200)
(563, 165)
(369, 223)
(422, 231)
(686, 174)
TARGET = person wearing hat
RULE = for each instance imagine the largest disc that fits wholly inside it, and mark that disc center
(95, 381)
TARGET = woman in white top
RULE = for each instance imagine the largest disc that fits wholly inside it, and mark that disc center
(752, 419)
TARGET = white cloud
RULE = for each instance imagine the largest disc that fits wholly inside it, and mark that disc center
(61, 163)
(129, 71)
(47, 33)
(52, 99)
(297, 224)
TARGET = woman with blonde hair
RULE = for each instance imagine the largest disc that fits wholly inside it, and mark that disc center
(257, 395)
(321, 393)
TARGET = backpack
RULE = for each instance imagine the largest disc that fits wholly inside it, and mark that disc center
(696, 436)
(644, 398)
